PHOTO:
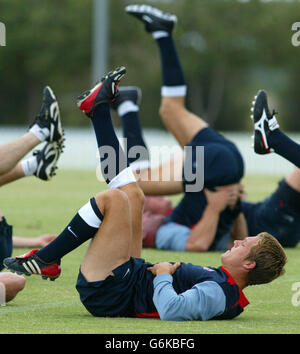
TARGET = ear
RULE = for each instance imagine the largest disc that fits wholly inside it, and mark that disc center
(249, 265)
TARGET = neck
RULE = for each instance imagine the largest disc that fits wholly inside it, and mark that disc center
(239, 277)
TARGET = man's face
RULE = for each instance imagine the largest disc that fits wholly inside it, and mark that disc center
(240, 250)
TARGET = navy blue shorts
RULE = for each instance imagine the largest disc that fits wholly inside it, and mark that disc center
(114, 296)
(278, 214)
(6, 243)
(223, 163)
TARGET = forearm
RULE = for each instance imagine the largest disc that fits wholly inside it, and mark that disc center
(203, 234)
(24, 242)
(239, 230)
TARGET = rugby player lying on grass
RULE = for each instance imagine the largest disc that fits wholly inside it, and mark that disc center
(113, 280)
(46, 128)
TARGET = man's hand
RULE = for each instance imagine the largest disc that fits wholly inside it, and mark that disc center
(222, 197)
(164, 267)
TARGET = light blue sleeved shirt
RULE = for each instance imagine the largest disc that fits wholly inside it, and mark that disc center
(202, 302)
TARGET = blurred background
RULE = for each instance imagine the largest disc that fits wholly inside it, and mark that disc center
(229, 50)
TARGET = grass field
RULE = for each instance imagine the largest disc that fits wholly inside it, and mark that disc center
(45, 307)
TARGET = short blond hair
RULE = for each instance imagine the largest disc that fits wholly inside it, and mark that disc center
(270, 260)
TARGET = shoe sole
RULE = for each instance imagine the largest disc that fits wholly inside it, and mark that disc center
(258, 134)
(44, 277)
(55, 134)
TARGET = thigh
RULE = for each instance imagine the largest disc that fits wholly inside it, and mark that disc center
(111, 245)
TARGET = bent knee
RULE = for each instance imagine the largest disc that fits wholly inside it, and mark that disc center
(13, 284)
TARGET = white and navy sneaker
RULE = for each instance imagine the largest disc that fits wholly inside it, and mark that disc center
(104, 92)
(127, 93)
(264, 123)
(30, 263)
(154, 19)
(47, 159)
(48, 120)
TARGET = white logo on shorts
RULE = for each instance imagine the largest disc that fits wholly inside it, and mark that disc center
(127, 272)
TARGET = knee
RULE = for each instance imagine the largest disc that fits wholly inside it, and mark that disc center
(112, 197)
(136, 195)
(13, 284)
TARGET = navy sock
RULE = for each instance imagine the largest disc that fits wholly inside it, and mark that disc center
(132, 131)
(172, 73)
(82, 227)
(285, 147)
(112, 157)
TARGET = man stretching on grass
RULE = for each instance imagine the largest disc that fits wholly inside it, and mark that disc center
(113, 280)
(46, 128)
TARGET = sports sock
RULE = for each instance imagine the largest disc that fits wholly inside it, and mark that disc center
(29, 166)
(112, 157)
(82, 227)
(173, 81)
(284, 146)
(41, 133)
(136, 148)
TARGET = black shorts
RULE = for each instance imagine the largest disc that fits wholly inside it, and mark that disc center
(278, 214)
(223, 163)
(112, 297)
(6, 243)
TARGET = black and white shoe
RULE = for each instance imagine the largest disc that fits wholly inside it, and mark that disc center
(153, 18)
(47, 159)
(30, 263)
(104, 92)
(127, 93)
(264, 123)
(48, 120)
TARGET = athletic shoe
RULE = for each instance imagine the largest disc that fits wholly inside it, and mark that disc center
(153, 18)
(127, 93)
(264, 123)
(30, 263)
(49, 117)
(47, 159)
(104, 92)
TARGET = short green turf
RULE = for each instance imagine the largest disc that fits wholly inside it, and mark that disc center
(35, 207)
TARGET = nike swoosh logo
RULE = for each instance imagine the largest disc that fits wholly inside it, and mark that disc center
(127, 272)
(69, 228)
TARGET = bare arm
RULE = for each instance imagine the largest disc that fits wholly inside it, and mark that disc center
(203, 234)
(239, 230)
(29, 242)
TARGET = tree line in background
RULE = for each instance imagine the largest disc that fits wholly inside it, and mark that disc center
(228, 50)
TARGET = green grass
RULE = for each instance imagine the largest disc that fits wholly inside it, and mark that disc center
(35, 207)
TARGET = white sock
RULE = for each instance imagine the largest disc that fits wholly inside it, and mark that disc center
(88, 214)
(160, 34)
(41, 133)
(126, 107)
(126, 176)
(140, 165)
(174, 91)
(29, 165)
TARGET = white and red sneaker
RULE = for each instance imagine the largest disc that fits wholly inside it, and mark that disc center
(104, 92)
(30, 263)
